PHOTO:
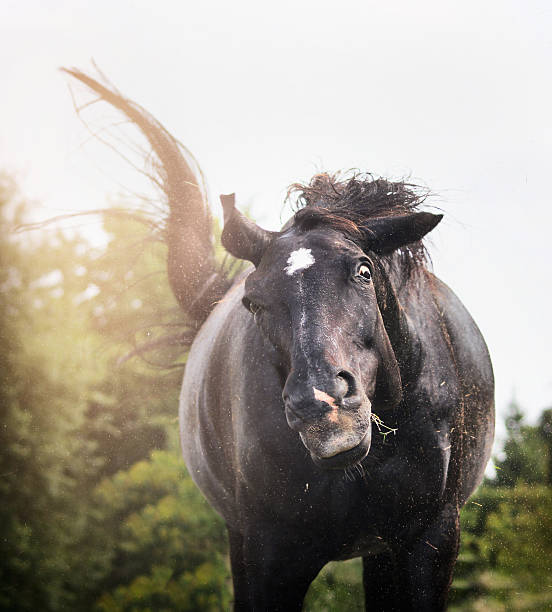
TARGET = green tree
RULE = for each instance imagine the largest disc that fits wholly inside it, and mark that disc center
(133, 408)
(506, 549)
(505, 559)
(42, 405)
(168, 546)
(545, 432)
(68, 415)
(525, 452)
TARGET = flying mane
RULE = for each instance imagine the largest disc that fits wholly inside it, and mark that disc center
(348, 202)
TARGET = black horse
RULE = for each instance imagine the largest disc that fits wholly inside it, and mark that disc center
(338, 401)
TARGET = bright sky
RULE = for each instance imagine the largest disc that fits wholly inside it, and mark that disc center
(457, 95)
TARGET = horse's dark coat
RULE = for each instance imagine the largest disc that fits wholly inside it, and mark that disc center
(401, 340)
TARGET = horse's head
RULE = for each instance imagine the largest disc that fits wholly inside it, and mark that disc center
(314, 297)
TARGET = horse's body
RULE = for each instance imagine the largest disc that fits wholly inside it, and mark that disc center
(348, 327)
(286, 516)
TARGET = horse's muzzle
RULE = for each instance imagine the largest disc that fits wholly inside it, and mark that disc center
(331, 413)
(337, 438)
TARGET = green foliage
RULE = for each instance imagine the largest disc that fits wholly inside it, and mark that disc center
(170, 547)
(68, 415)
(506, 553)
(545, 434)
(526, 454)
(506, 550)
(42, 403)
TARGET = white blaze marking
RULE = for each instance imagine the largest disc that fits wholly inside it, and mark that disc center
(299, 260)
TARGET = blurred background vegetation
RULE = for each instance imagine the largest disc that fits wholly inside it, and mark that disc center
(97, 510)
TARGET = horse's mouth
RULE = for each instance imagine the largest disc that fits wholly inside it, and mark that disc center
(345, 458)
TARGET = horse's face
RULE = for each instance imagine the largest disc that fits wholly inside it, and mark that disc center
(313, 298)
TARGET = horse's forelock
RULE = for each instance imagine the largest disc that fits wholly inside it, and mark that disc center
(314, 216)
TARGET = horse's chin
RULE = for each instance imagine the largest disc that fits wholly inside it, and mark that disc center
(336, 452)
(344, 459)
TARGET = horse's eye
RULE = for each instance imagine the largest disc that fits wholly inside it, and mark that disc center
(364, 272)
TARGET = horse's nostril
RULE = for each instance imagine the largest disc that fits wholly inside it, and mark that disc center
(346, 383)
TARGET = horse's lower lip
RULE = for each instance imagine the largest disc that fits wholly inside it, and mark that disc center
(346, 458)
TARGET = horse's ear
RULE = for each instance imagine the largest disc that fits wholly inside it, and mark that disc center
(240, 236)
(385, 234)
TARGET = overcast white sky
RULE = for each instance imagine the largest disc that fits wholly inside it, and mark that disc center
(457, 95)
